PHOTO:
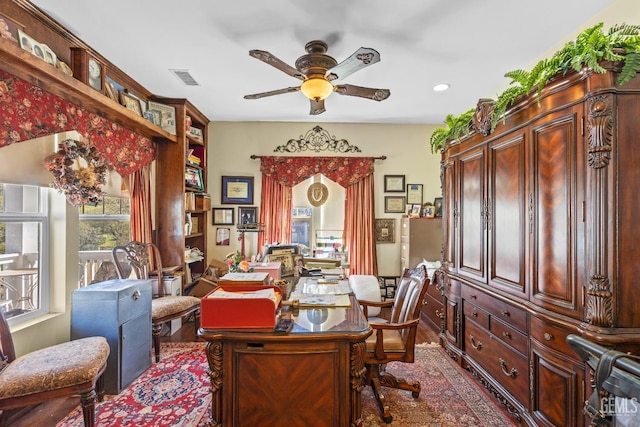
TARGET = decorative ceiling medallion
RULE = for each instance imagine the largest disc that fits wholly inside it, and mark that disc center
(317, 139)
(317, 193)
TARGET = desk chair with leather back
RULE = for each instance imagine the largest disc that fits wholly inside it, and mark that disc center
(144, 260)
(394, 340)
(66, 369)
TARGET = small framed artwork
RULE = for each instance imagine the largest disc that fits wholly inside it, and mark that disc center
(167, 116)
(414, 194)
(223, 236)
(9, 29)
(394, 183)
(415, 210)
(131, 103)
(222, 216)
(394, 204)
(385, 230)
(193, 178)
(286, 268)
(237, 190)
(27, 42)
(428, 211)
(247, 217)
(437, 203)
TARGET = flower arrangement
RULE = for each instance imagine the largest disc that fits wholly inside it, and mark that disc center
(81, 185)
(237, 264)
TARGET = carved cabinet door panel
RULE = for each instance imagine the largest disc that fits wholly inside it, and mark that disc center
(507, 214)
(472, 225)
(449, 213)
(557, 158)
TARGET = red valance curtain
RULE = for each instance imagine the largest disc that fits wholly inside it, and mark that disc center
(29, 112)
(280, 174)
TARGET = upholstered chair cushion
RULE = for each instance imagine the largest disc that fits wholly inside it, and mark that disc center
(392, 341)
(168, 305)
(60, 366)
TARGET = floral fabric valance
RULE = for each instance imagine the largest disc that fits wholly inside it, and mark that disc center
(290, 171)
(29, 112)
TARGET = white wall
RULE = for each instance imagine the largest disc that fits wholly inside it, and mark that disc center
(406, 146)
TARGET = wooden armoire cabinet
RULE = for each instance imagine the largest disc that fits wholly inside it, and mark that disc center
(540, 242)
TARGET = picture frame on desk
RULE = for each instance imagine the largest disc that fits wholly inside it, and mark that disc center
(394, 183)
(287, 266)
(385, 230)
(394, 204)
(222, 216)
(237, 190)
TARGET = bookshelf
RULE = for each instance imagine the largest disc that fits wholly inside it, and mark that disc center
(182, 201)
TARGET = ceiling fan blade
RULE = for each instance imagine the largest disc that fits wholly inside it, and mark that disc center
(272, 92)
(363, 92)
(268, 58)
(317, 107)
(361, 58)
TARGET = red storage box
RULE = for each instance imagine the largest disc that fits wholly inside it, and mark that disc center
(240, 312)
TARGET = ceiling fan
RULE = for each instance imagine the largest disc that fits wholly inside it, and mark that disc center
(317, 70)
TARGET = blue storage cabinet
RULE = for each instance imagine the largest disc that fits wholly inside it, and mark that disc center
(120, 311)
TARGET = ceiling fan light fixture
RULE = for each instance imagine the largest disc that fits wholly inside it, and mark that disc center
(316, 88)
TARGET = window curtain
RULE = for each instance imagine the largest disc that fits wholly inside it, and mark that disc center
(29, 112)
(139, 183)
(275, 212)
(346, 171)
(359, 226)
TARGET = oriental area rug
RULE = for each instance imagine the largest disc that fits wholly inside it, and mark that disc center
(175, 392)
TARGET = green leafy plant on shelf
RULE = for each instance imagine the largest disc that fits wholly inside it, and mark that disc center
(593, 45)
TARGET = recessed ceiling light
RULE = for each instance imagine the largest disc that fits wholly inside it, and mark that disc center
(441, 87)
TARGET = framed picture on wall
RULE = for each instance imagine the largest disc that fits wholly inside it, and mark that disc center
(237, 190)
(247, 217)
(394, 204)
(394, 183)
(223, 236)
(414, 194)
(222, 216)
(385, 230)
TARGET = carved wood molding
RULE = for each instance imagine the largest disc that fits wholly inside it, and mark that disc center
(482, 118)
(599, 302)
(599, 130)
(213, 351)
(358, 373)
(317, 139)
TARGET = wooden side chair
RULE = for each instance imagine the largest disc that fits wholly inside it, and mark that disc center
(66, 369)
(144, 260)
(394, 340)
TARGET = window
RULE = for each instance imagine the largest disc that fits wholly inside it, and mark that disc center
(102, 227)
(24, 232)
(301, 226)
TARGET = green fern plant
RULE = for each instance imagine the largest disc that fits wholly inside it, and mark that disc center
(593, 45)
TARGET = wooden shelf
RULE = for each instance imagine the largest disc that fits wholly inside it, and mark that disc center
(43, 75)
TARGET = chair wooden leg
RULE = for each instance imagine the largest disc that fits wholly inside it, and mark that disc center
(155, 332)
(100, 387)
(376, 387)
(389, 380)
(88, 402)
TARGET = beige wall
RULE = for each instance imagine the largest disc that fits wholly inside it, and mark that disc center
(406, 146)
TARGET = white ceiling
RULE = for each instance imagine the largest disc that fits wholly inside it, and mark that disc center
(468, 44)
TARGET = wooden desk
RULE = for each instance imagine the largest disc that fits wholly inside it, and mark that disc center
(315, 372)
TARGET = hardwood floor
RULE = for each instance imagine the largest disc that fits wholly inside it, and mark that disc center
(48, 414)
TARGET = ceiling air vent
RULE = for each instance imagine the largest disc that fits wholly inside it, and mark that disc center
(185, 77)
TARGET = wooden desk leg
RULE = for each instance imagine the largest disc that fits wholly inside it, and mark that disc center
(214, 357)
(358, 373)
